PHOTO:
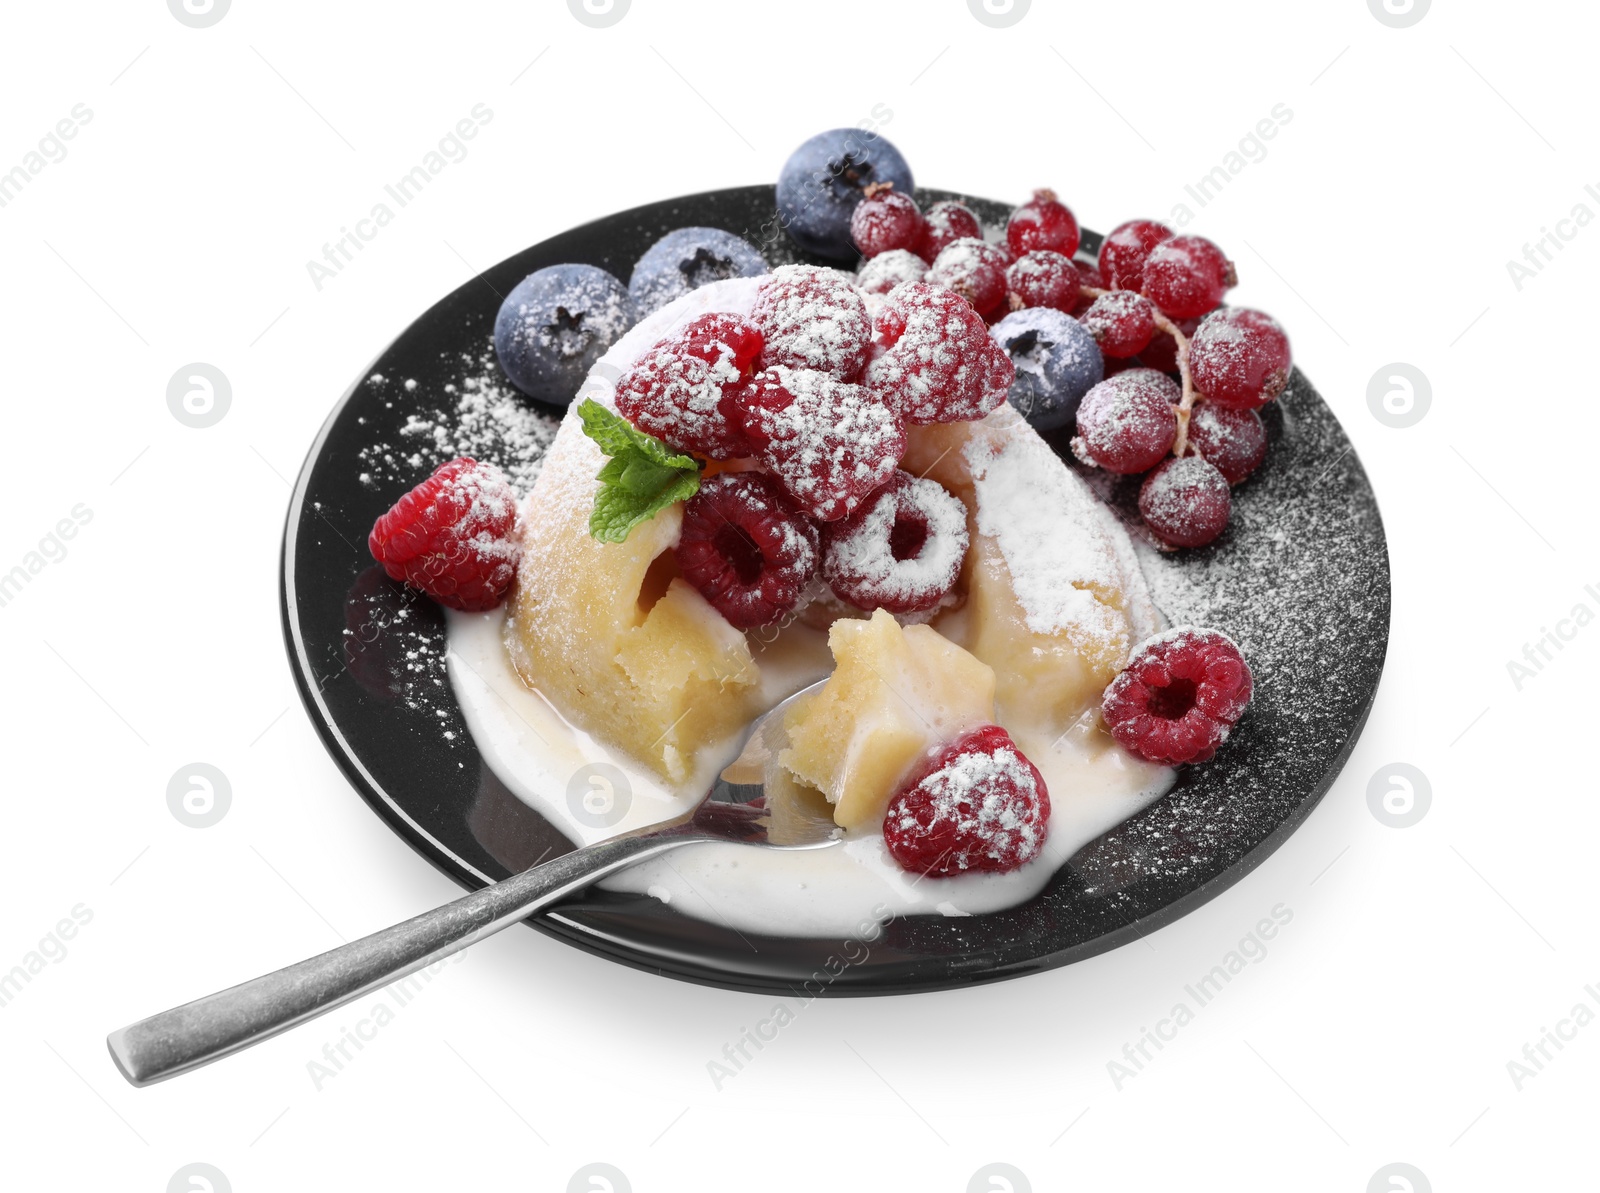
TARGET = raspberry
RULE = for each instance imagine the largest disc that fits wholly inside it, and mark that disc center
(453, 536)
(1186, 502)
(813, 318)
(1042, 223)
(1187, 276)
(901, 550)
(885, 219)
(1162, 354)
(746, 547)
(1180, 694)
(828, 442)
(974, 270)
(943, 222)
(881, 274)
(1232, 441)
(678, 390)
(1126, 424)
(1239, 358)
(975, 804)
(1121, 322)
(937, 361)
(1124, 251)
(1044, 279)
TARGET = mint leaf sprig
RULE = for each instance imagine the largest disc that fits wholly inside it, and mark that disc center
(642, 477)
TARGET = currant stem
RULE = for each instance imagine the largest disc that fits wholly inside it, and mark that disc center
(1180, 446)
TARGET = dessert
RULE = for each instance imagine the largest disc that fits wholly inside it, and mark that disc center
(808, 474)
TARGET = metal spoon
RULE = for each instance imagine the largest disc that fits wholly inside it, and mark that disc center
(210, 1028)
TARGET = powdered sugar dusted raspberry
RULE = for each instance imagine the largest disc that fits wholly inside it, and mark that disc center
(1179, 696)
(829, 442)
(813, 318)
(901, 551)
(453, 536)
(939, 363)
(676, 391)
(977, 804)
(746, 547)
(881, 274)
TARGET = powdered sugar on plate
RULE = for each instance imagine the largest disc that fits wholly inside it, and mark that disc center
(479, 415)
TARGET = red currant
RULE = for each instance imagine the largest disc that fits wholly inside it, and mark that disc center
(1187, 276)
(1121, 322)
(945, 221)
(1044, 278)
(1127, 423)
(1123, 252)
(1239, 358)
(1043, 222)
(885, 219)
(1186, 501)
(1235, 441)
(974, 270)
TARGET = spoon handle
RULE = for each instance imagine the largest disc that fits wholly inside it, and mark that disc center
(209, 1028)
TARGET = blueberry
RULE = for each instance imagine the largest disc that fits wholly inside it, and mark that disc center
(1057, 363)
(687, 259)
(821, 184)
(555, 324)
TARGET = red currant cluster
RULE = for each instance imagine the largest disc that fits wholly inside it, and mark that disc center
(1157, 310)
(1152, 300)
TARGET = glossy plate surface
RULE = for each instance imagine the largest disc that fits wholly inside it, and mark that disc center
(1300, 580)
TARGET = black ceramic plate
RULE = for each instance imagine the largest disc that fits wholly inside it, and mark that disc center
(1300, 580)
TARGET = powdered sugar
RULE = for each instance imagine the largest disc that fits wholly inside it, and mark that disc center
(831, 445)
(1051, 532)
(813, 318)
(881, 274)
(478, 415)
(863, 561)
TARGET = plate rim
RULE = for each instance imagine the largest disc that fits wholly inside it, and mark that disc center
(592, 938)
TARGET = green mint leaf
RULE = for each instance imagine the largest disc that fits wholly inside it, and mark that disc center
(642, 477)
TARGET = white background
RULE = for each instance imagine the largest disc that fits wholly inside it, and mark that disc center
(218, 161)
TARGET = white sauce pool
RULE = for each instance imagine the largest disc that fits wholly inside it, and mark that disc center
(829, 892)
